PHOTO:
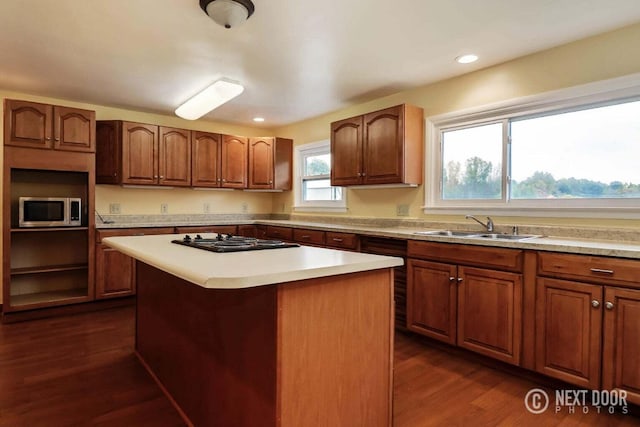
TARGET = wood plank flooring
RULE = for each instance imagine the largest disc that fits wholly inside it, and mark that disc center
(80, 370)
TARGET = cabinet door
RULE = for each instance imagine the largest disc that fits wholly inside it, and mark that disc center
(490, 313)
(139, 153)
(261, 163)
(115, 273)
(621, 349)
(383, 156)
(74, 129)
(108, 152)
(431, 299)
(28, 124)
(174, 157)
(234, 161)
(205, 159)
(346, 152)
(568, 331)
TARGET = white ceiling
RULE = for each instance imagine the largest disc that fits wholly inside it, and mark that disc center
(296, 58)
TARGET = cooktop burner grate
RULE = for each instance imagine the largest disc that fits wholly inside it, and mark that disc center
(232, 243)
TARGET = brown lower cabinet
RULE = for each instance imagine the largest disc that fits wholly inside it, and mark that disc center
(588, 321)
(115, 272)
(479, 309)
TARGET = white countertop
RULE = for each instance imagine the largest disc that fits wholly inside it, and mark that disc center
(235, 270)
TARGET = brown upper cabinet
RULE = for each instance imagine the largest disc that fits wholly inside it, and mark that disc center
(35, 125)
(270, 163)
(382, 147)
(233, 163)
(205, 159)
(136, 153)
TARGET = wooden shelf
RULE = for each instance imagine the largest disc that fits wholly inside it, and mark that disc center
(48, 269)
(43, 298)
(47, 229)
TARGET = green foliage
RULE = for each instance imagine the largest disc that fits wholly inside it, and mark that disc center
(318, 167)
(481, 180)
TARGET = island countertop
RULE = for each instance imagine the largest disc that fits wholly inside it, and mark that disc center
(235, 270)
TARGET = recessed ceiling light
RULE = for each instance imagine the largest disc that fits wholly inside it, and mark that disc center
(466, 59)
(209, 99)
(258, 119)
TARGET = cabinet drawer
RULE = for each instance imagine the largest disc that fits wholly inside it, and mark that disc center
(311, 237)
(101, 234)
(481, 256)
(341, 240)
(590, 268)
(280, 233)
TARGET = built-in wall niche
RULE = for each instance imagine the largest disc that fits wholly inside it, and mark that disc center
(47, 183)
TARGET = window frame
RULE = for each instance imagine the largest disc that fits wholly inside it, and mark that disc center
(590, 95)
(301, 205)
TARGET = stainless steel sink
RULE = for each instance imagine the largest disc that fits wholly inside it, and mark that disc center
(477, 235)
(500, 236)
(448, 233)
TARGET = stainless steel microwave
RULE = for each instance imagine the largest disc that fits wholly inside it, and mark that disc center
(50, 212)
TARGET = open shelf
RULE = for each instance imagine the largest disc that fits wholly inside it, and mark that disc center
(40, 229)
(48, 269)
(44, 298)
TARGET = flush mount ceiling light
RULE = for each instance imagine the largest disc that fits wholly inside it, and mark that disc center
(209, 99)
(228, 13)
(467, 59)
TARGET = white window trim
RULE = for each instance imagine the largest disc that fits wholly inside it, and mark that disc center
(591, 93)
(301, 205)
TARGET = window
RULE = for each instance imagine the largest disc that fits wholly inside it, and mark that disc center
(314, 190)
(556, 155)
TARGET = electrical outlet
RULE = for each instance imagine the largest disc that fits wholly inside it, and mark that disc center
(164, 208)
(206, 208)
(114, 208)
(245, 207)
(402, 210)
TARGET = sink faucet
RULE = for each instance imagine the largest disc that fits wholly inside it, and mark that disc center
(488, 225)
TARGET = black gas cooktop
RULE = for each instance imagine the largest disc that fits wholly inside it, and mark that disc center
(229, 243)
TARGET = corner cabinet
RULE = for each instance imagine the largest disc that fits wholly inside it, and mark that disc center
(378, 148)
(35, 125)
(470, 296)
(270, 163)
(142, 154)
(47, 266)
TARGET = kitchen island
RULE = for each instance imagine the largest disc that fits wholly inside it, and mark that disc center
(297, 336)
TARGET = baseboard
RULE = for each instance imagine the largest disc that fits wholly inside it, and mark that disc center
(41, 313)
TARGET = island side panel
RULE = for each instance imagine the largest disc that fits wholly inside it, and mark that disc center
(335, 350)
(212, 350)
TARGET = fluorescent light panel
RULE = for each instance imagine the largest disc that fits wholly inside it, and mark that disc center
(209, 99)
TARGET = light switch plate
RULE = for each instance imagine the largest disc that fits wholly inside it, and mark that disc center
(114, 208)
(402, 210)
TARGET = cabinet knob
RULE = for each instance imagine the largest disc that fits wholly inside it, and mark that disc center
(608, 305)
(161, 176)
(270, 182)
(224, 180)
(57, 139)
(48, 138)
(452, 279)
(364, 174)
(359, 174)
(595, 303)
(155, 176)
(459, 279)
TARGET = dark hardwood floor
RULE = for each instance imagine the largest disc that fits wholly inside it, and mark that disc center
(80, 370)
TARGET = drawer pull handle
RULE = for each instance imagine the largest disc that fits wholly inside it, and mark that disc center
(608, 305)
(138, 234)
(601, 270)
(336, 239)
(595, 303)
